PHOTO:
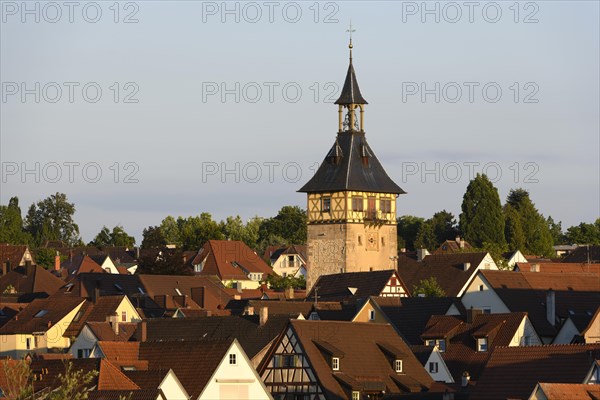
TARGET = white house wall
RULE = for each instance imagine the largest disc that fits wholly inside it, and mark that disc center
(476, 298)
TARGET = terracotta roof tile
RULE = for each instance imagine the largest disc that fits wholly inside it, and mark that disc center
(41, 314)
(30, 283)
(570, 391)
(143, 394)
(231, 259)
(512, 372)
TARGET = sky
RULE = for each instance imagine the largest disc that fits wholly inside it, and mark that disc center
(139, 110)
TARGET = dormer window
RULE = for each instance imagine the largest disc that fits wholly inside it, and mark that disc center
(335, 363)
(398, 365)
(440, 343)
(40, 314)
(355, 395)
(482, 344)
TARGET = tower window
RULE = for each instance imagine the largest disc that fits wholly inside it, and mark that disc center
(385, 205)
(326, 204)
(359, 240)
(357, 204)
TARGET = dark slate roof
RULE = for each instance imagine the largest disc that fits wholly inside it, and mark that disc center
(145, 394)
(409, 315)
(446, 268)
(578, 293)
(513, 372)
(350, 173)
(351, 92)
(583, 254)
(334, 287)
(251, 335)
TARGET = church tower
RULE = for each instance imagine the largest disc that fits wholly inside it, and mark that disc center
(351, 199)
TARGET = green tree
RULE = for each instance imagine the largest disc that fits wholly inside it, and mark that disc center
(538, 239)
(444, 226)
(195, 231)
(153, 238)
(429, 288)
(102, 239)
(169, 228)
(584, 233)
(74, 384)
(287, 227)
(165, 262)
(558, 237)
(11, 224)
(513, 231)
(52, 219)
(426, 237)
(233, 228)
(408, 228)
(118, 237)
(46, 257)
(280, 283)
(481, 219)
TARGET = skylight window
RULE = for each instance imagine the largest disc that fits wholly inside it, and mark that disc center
(178, 291)
(141, 290)
(119, 287)
(40, 314)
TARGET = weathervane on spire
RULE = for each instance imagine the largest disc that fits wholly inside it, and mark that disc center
(350, 30)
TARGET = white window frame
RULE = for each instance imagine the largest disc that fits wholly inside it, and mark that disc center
(335, 363)
(371, 315)
(481, 342)
(232, 359)
(355, 395)
(433, 367)
(398, 366)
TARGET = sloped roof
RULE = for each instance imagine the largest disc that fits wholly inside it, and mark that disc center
(231, 259)
(447, 269)
(30, 283)
(363, 361)
(142, 394)
(409, 315)
(105, 332)
(582, 255)
(351, 173)
(120, 352)
(272, 253)
(512, 372)
(335, 287)
(570, 391)
(578, 293)
(246, 329)
(109, 377)
(452, 246)
(194, 362)
(461, 345)
(12, 253)
(49, 312)
(350, 92)
(280, 307)
(560, 267)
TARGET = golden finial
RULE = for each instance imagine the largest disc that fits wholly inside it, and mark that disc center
(350, 30)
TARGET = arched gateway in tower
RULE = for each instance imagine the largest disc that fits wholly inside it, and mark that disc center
(351, 199)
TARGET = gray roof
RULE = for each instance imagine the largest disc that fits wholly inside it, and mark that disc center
(350, 171)
(351, 91)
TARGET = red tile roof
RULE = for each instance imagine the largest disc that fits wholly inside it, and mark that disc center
(570, 391)
(231, 259)
(49, 312)
(559, 267)
(513, 372)
(461, 339)
(30, 283)
(12, 253)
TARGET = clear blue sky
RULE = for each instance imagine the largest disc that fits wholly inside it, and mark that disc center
(179, 56)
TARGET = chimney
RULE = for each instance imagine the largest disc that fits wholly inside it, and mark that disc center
(471, 313)
(57, 262)
(137, 253)
(263, 315)
(29, 269)
(465, 379)
(96, 293)
(141, 332)
(466, 266)
(198, 295)
(289, 293)
(114, 321)
(551, 306)
(421, 254)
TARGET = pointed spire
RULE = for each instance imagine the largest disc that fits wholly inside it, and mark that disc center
(350, 91)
